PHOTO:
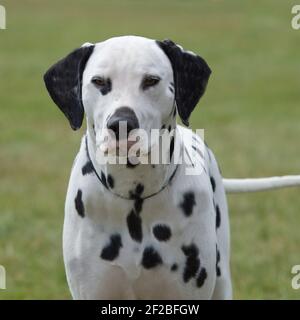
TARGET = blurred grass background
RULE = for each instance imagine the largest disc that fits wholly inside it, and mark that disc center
(250, 113)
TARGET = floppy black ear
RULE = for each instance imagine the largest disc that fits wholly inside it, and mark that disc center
(191, 74)
(64, 81)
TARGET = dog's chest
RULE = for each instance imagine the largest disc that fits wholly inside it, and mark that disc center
(146, 244)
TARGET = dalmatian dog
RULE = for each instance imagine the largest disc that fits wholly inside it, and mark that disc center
(134, 230)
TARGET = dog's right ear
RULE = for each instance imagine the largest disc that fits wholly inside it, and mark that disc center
(64, 84)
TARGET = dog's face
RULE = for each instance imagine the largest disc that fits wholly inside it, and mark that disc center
(130, 79)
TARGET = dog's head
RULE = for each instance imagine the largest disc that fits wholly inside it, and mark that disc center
(130, 79)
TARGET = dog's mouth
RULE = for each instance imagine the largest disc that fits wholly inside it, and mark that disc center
(135, 149)
(134, 152)
(122, 148)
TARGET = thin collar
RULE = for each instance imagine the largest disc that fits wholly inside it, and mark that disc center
(103, 182)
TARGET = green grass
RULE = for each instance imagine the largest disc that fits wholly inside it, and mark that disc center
(250, 113)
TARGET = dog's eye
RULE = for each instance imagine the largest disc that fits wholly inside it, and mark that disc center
(150, 81)
(99, 82)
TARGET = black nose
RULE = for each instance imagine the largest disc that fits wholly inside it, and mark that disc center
(126, 115)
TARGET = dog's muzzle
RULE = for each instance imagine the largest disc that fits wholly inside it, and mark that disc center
(121, 128)
(121, 116)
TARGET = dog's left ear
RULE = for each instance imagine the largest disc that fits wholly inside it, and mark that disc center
(191, 74)
(64, 84)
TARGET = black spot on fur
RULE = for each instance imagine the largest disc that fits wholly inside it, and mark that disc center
(87, 168)
(151, 258)
(111, 251)
(134, 224)
(172, 147)
(169, 128)
(136, 195)
(138, 205)
(218, 258)
(218, 217)
(213, 183)
(191, 268)
(106, 88)
(199, 152)
(201, 277)
(94, 131)
(162, 232)
(192, 263)
(79, 204)
(139, 189)
(188, 203)
(171, 89)
(188, 154)
(163, 126)
(103, 179)
(174, 113)
(190, 250)
(110, 181)
(174, 267)
(134, 221)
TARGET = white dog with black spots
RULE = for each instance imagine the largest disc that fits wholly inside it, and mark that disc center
(142, 231)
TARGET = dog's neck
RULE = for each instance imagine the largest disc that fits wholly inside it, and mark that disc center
(124, 180)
